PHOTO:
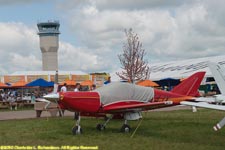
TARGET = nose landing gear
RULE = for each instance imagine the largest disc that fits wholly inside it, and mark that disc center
(77, 128)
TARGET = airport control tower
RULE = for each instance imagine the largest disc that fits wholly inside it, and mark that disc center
(49, 44)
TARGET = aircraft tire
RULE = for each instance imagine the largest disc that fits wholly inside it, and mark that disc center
(75, 130)
(100, 127)
(125, 128)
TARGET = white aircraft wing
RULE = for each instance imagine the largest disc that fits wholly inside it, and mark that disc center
(204, 105)
(210, 106)
(206, 99)
(218, 74)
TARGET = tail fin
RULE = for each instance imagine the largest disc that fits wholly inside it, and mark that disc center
(218, 74)
(189, 86)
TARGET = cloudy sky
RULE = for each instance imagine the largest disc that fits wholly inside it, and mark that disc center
(92, 31)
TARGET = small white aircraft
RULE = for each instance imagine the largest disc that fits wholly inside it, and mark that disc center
(218, 72)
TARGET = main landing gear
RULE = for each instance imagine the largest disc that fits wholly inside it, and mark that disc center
(77, 128)
(101, 127)
(125, 127)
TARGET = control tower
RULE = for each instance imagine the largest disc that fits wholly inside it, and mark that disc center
(49, 44)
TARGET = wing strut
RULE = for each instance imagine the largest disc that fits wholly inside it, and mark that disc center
(219, 125)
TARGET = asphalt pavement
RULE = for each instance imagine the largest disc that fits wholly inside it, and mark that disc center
(26, 114)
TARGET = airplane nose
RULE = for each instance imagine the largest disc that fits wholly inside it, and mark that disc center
(52, 97)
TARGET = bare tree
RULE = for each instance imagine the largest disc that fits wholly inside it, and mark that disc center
(132, 59)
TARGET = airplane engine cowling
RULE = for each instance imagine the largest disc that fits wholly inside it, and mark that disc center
(81, 101)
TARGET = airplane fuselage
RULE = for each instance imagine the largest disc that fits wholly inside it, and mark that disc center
(91, 101)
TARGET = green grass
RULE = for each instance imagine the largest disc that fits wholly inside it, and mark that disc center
(175, 130)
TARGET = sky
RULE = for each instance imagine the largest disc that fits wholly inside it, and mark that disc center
(92, 31)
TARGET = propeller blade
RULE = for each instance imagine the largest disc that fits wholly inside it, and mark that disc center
(44, 100)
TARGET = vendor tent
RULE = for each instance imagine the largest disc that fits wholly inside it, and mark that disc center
(40, 82)
(168, 83)
(19, 84)
(147, 83)
(2, 85)
(69, 82)
(87, 83)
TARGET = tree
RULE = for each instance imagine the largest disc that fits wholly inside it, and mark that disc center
(132, 59)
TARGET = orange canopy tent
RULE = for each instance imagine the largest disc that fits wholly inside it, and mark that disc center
(69, 82)
(2, 85)
(87, 83)
(182, 79)
(147, 83)
(19, 84)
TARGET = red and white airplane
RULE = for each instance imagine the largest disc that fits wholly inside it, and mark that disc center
(125, 99)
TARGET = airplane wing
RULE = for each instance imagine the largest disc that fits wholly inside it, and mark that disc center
(204, 105)
(128, 107)
(210, 106)
(206, 99)
(218, 74)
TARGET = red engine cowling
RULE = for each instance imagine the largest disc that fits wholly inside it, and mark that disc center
(81, 101)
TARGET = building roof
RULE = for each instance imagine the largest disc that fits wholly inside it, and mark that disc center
(179, 69)
(48, 73)
(183, 68)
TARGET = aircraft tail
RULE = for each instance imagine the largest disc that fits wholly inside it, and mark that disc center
(218, 74)
(189, 86)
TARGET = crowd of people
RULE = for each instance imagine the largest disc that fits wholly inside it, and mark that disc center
(78, 87)
(15, 96)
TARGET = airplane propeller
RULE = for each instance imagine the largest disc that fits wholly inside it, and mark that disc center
(53, 97)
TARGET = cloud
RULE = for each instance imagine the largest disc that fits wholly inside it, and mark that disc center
(77, 58)
(19, 51)
(122, 5)
(24, 63)
(19, 48)
(16, 2)
(168, 31)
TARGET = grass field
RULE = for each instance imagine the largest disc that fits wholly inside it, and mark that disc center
(175, 130)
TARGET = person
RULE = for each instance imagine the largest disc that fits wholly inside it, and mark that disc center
(2, 95)
(93, 87)
(107, 81)
(33, 98)
(63, 88)
(36, 94)
(77, 87)
(12, 101)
